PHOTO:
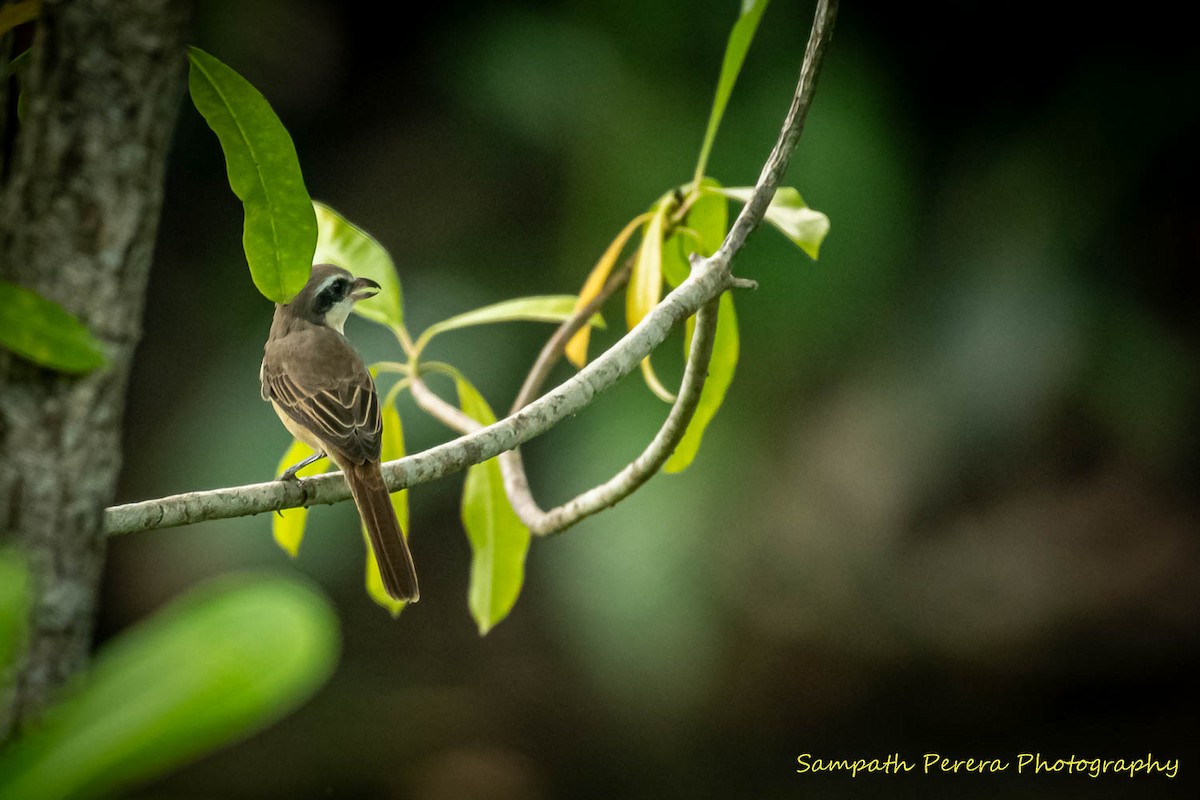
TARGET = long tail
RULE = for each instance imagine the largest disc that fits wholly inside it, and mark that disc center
(383, 529)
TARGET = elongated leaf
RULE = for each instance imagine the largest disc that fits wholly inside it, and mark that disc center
(645, 283)
(14, 608)
(218, 664)
(542, 308)
(280, 232)
(393, 448)
(735, 55)
(287, 526)
(804, 226)
(720, 375)
(44, 332)
(576, 350)
(645, 288)
(342, 243)
(499, 542)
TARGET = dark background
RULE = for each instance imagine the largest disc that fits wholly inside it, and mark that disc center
(948, 506)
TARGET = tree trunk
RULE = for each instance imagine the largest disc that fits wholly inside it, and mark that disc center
(78, 215)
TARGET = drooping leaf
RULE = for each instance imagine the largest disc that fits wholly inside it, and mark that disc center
(45, 333)
(392, 448)
(218, 664)
(280, 231)
(720, 375)
(542, 308)
(14, 606)
(645, 282)
(342, 243)
(804, 226)
(287, 526)
(731, 65)
(499, 541)
(645, 288)
(576, 350)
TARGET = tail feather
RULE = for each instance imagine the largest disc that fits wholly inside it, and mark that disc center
(383, 529)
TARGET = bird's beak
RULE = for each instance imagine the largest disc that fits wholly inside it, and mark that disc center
(364, 288)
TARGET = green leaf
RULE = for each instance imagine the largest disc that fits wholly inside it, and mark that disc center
(499, 542)
(14, 607)
(45, 333)
(342, 243)
(735, 54)
(720, 375)
(280, 232)
(543, 308)
(393, 448)
(216, 665)
(701, 231)
(804, 226)
(287, 526)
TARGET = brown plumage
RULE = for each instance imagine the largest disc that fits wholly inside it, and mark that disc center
(323, 393)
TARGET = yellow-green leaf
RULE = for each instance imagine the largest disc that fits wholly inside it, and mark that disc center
(215, 666)
(343, 243)
(280, 231)
(44, 332)
(499, 541)
(393, 448)
(804, 226)
(288, 525)
(645, 283)
(720, 374)
(541, 308)
(576, 350)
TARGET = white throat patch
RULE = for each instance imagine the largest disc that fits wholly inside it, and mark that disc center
(336, 316)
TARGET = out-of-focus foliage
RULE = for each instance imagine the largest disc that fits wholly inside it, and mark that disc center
(45, 333)
(219, 663)
(14, 606)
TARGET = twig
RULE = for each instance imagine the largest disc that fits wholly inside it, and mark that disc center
(637, 472)
(709, 278)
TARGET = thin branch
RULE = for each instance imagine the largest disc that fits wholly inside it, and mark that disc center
(641, 469)
(439, 409)
(563, 401)
(793, 124)
(709, 278)
(557, 343)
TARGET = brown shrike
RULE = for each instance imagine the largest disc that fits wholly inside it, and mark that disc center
(323, 393)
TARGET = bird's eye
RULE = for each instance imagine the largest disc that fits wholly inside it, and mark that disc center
(340, 287)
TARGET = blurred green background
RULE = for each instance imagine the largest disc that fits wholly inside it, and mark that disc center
(949, 504)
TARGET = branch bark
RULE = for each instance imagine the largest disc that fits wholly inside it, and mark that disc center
(79, 212)
(709, 278)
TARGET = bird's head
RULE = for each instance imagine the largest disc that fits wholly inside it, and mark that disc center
(330, 294)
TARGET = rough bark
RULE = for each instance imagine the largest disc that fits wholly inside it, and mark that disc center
(78, 216)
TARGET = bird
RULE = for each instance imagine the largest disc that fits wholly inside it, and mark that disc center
(318, 385)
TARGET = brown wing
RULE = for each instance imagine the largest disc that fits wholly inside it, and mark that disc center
(318, 380)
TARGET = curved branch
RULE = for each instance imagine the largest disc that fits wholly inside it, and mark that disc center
(709, 278)
(641, 469)
(705, 283)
